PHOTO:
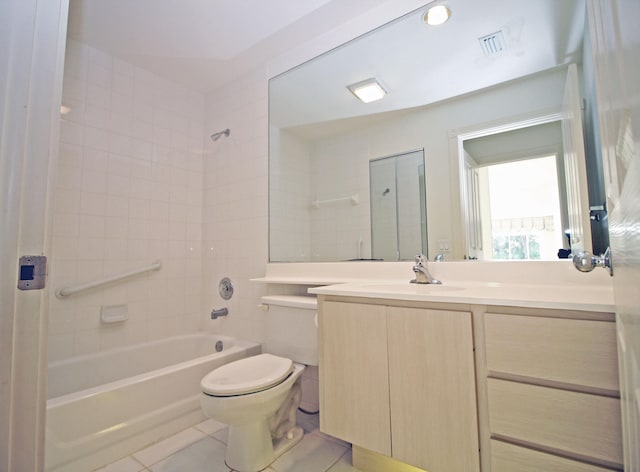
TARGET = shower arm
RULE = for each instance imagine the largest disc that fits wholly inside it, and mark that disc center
(219, 134)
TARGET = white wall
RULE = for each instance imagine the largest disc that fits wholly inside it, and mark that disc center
(129, 191)
(290, 181)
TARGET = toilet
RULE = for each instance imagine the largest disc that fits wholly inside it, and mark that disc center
(258, 396)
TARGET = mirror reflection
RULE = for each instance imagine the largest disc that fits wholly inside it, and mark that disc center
(398, 210)
(446, 94)
(514, 181)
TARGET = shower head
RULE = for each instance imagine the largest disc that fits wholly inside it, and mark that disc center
(219, 134)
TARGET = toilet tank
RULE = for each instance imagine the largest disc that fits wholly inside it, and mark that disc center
(291, 327)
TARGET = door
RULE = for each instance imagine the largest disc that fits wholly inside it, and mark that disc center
(616, 47)
(575, 165)
(32, 35)
(472, 214)
(398, 206)
(354, 374)
(432, 389)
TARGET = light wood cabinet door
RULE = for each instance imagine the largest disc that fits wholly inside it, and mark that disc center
(432, 389)
(354, 375)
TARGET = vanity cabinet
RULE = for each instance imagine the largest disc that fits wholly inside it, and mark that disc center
(552, 390)
(399, 379)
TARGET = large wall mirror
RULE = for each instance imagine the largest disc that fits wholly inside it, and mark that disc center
(484, 99)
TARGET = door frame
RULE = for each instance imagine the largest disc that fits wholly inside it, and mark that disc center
(31, 72)
(457, 161)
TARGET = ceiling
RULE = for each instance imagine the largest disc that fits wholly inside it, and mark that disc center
(204, 44)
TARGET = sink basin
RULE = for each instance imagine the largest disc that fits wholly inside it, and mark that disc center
(411, 288)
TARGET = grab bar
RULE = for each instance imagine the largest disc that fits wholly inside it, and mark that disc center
(67, 291)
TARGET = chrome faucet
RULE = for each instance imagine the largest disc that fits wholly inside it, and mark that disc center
(422, 273)
(221, 312)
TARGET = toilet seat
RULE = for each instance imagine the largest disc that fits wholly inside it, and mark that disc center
(248, 375)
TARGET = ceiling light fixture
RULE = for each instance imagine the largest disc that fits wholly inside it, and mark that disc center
(437, 15)
(368, 90)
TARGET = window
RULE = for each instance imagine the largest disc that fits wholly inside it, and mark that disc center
(524, 209)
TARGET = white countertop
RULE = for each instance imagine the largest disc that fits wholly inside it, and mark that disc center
(538, 284)
(566, 297)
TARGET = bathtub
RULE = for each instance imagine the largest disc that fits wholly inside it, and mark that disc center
(105, 406)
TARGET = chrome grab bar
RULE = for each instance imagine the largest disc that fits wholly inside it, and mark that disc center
(73, 289)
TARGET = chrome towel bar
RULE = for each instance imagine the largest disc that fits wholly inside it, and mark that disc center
(73, 289)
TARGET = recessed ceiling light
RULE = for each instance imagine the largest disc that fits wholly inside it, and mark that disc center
(437, 15)
(368, 90)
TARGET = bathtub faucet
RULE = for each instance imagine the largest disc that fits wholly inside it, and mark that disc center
(221, 312)
(422, 273)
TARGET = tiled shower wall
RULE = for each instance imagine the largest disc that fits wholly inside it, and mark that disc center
(235, 204)
(129, 192)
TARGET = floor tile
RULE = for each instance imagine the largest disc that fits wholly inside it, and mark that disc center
(202, 448)
(206, 455)
(210, 426)
(344, 464)
(309, 423)
(166, 447)
(128, 464)
(313, 454)
(222, 435)
(333, 439)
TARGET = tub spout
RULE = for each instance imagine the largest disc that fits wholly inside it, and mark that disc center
(221, 312)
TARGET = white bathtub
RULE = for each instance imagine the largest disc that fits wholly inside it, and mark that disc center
(107, 405)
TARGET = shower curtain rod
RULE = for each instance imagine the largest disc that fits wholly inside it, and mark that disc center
(70, 290)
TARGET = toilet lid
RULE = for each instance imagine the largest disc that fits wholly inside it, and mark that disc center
(248, 375)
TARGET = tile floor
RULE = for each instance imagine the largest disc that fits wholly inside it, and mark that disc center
(202, 449)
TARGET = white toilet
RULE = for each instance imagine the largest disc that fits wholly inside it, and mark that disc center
(258, 396)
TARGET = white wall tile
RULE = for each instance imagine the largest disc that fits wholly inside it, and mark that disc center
(97, 96)
(98, 75)
(94, 182)
(71, 133)
(125, 198)
(96, 138)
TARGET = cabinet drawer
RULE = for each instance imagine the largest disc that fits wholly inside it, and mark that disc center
(579, 352)
(509, 458)
(583, 424)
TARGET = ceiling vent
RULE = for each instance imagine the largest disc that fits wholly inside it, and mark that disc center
(493, 43)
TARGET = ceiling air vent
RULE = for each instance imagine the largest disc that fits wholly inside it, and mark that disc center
(493, 43)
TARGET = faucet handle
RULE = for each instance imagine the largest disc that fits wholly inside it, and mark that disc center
(421, 260)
